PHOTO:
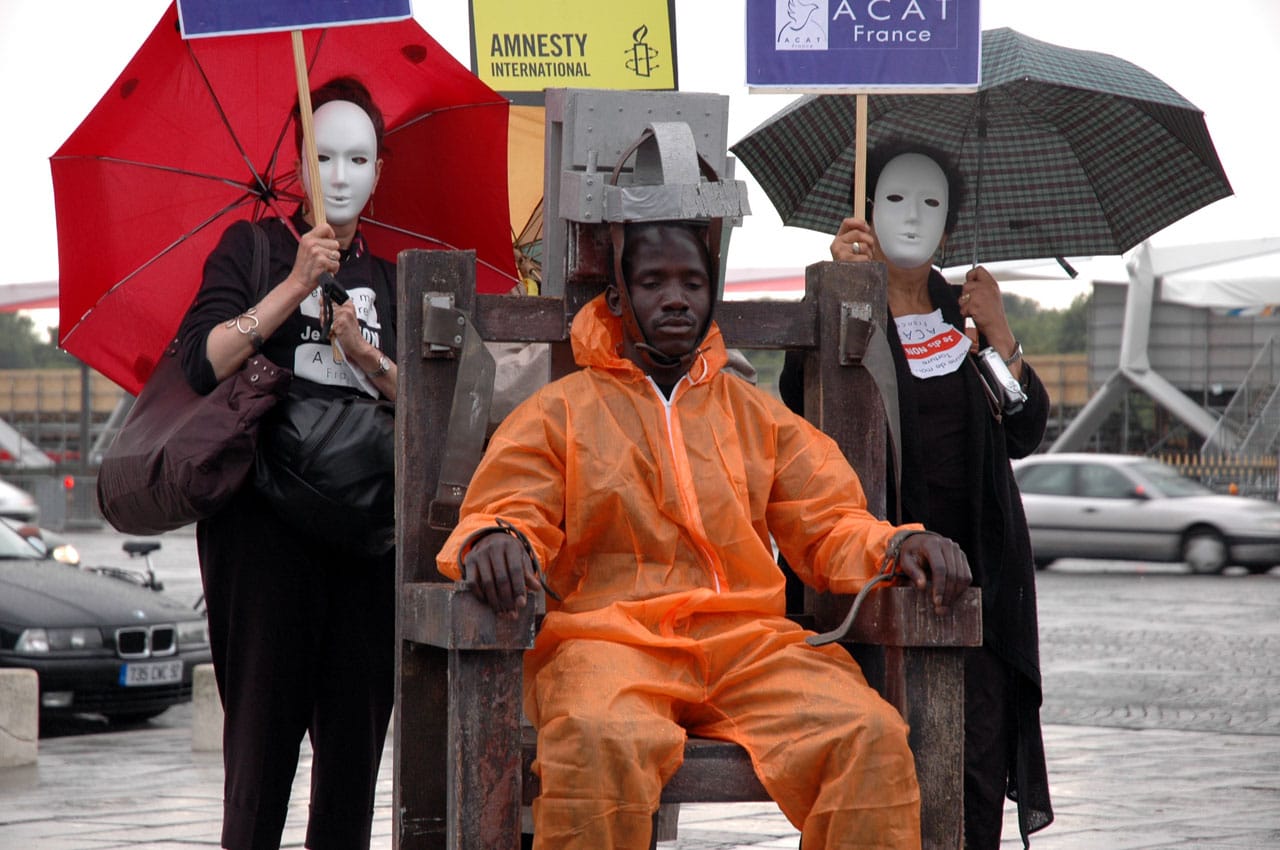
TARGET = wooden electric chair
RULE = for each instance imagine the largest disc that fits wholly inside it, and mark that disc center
(461, 755)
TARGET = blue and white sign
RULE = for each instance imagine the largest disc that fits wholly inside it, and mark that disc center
(863, 45)
(202, 18)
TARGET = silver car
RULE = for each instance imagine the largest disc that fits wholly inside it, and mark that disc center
(1120, 507)
(17, 504)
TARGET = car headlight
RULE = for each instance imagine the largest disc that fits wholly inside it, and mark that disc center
(67, 554)
(192, 634)
(44, 641)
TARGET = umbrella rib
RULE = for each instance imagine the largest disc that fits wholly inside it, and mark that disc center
(169, 169)
(222, 115)
(440, 111)
(175, 243)
(1024, 104)
(449, 246)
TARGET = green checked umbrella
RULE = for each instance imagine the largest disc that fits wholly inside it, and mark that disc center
(1084, 153)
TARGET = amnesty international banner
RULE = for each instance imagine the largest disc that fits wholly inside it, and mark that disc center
(520, 48)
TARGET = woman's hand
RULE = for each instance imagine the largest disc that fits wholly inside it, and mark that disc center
(318, 252)
(980, 300)
(346, 329)
(854, 243)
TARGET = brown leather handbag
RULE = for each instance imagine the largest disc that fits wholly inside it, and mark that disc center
(179, 456)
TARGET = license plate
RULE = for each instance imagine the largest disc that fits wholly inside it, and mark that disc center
(151, 673)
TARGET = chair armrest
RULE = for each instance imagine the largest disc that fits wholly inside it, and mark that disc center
(903, 616)
(449, 616)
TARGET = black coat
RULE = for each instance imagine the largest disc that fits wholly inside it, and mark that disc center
(999, 548)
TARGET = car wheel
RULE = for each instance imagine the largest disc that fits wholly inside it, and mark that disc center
(1258, 569)
(1205, 551)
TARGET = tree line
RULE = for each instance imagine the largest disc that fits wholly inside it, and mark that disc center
(23, 345)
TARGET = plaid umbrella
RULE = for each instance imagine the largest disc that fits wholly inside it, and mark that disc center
(1083, 153)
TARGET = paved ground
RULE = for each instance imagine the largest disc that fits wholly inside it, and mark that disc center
(1162, 731)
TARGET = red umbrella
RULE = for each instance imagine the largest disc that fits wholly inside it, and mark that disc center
(195, 134)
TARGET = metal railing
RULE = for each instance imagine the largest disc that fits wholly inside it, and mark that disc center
(1250, 424)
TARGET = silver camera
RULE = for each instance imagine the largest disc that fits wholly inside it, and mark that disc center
(1003, 385)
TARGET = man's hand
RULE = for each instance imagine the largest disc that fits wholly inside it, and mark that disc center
(500, 572)
(937, 561)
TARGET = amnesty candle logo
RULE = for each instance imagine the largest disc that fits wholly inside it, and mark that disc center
(801, 24)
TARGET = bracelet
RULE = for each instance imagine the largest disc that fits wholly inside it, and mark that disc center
(247, 324)
(1016, 355)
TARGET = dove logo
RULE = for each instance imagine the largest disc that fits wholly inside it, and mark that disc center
(800, 24)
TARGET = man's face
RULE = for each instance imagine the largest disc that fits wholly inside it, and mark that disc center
(347, 147)
(669, 287)
(910, 209)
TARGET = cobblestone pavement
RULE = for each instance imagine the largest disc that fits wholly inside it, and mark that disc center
(1162, 730)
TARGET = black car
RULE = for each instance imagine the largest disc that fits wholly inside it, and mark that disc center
(99, 645)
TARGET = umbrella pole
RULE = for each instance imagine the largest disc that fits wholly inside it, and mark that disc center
(310, 159)
(860, 158)
(977, 188)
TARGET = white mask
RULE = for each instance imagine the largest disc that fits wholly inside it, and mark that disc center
(347, 146)
(910, 213)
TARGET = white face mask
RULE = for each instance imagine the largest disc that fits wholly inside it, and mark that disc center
(910, 213)
(347, 146)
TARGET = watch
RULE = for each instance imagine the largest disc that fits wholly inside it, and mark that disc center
(1015, 356)
(384, 366)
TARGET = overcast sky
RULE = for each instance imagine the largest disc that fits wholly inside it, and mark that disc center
(58, 57)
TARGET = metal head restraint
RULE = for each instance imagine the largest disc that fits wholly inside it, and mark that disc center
(668, 185)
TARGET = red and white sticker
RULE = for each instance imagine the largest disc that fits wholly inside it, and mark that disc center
(932, 346)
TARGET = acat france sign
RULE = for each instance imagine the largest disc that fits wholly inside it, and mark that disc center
(201, 18)
(808, 45)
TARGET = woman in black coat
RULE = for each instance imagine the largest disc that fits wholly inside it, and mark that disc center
(958, 437)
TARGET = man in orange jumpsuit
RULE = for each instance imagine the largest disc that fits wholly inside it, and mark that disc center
(648, 483)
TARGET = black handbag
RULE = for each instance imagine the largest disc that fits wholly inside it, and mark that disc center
(179, 456)
(326, 463)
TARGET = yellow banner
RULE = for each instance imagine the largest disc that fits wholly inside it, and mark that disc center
(521, 46)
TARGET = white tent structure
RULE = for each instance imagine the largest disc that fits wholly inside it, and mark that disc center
(1242, 287)
(28, 296)
(1198, 275)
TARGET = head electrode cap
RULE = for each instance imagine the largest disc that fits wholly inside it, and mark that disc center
(667, 185)
(667, 182)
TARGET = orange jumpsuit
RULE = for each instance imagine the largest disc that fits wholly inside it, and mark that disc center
(653, 522)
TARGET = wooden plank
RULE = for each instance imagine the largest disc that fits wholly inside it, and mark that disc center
(904, 616)
(842, 400)
(713, 771)
(424, 390)
(448, 616)
(934, 680)
(484, 764)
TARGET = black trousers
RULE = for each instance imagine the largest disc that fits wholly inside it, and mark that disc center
(989, 736)
(303, 642)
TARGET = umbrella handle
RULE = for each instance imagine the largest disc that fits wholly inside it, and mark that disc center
(310, 159)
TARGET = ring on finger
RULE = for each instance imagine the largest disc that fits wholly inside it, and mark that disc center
(857, 247)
